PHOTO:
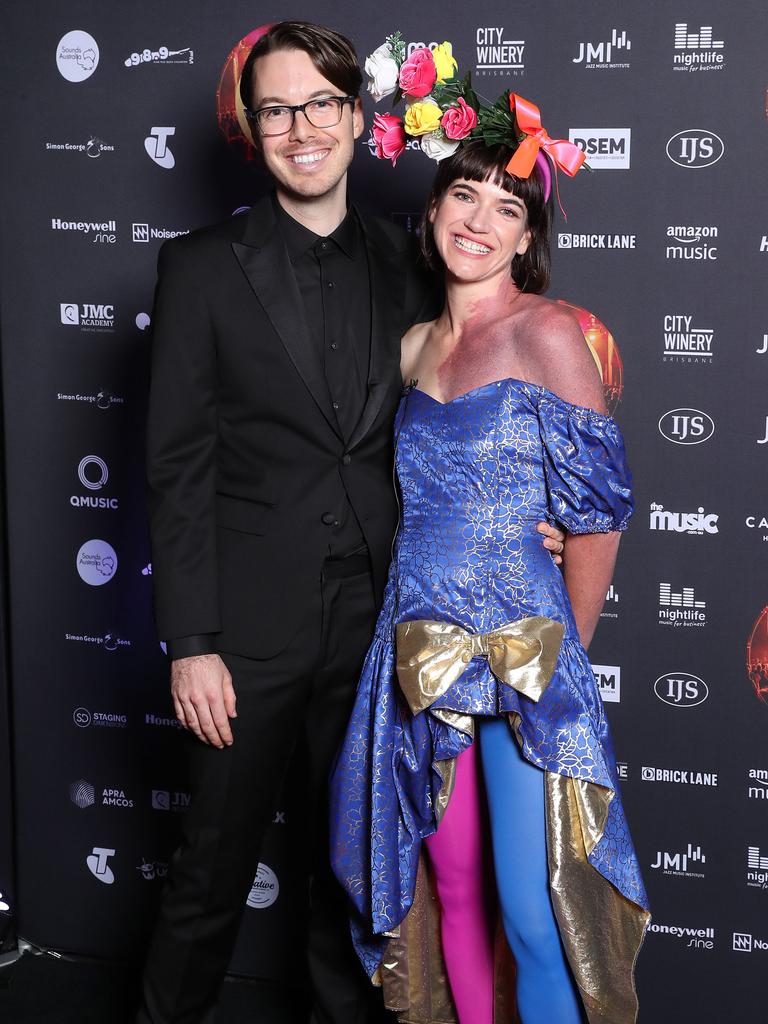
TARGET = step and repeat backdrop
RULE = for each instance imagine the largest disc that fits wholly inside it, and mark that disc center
(120, 131)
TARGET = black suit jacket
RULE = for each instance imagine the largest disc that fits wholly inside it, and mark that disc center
(244, 457)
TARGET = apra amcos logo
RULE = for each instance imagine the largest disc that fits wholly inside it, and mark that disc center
(681, 689)
(686, 426)
(695, 148)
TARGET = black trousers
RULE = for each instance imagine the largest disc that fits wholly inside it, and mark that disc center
(303, 695)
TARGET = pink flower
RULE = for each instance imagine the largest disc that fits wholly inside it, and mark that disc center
(418, 74)
(459, 121)
(388, 137)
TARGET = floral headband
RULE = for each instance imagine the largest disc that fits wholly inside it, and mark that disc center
(444, 111)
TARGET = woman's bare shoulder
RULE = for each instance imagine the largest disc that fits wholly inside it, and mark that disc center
(411, 345)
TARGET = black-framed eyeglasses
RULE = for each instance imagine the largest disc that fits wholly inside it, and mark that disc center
(324, 112)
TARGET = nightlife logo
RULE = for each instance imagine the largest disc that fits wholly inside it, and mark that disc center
(77, 55)
(697, 523)
(87, 316)
(612, 597)
(695, 147)
(101, 400)
(265, 889)
(757, 657)
(684, 343)
(83, 718)
(98, 864)
(160, 720)
(686, 426)
(143, 320)
(698, 938)
(93, 474)
(600, 56)
(152, 870)
(680, 608)
(82, 794)
(109, 642)
(692, 242)
(607, 149)
(497, 55)
(162, 55)
(680, 864)
(608, 679)
(760, 790)
(96, 562)
(93, 148)
(569, 240)
(697, 50)
(147, 232)
(757, 868)
(104, 232)
(744, 942)
(156, 146)
(165, 800)
(678, 776)
(681, 690)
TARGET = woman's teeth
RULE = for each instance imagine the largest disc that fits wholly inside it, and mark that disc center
(467, 246)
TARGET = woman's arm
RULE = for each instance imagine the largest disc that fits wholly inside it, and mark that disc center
(588, 564)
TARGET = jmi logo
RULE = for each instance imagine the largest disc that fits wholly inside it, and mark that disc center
(695, 147)
(608, 679)
(601, 55)
(606, 148)
(680, 863)
(681, 689)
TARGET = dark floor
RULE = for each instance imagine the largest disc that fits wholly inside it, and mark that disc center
(41, 989)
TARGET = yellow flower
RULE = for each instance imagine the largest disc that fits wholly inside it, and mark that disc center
(421, 118)
(445, 62)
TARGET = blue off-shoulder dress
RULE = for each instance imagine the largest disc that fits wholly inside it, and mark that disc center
(476, 475)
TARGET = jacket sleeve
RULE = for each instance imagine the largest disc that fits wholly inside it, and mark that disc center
(181, 449)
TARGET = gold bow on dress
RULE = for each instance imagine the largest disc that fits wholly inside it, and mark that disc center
(431, 656)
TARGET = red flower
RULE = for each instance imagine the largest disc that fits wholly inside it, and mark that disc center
(459, 121)
(388, 136)
(418, 74)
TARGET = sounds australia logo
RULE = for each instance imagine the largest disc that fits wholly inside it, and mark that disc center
(685, 343)
(682, 865)
(77, 55)
(697, 523)
(680, 608)
(605, 55)
(96, 562)
(265, 889)
(497, 55)
(91, 317)
(606, 149)
(695, 148)
(691, 242)
(697, 49)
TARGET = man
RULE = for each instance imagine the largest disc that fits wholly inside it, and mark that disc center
(275, 380)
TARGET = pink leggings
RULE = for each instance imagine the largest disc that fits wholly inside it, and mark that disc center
(546, 993)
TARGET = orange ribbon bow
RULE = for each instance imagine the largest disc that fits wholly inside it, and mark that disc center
(563, 154)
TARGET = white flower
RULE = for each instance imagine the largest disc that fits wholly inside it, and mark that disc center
(437, 147)
(382, 69)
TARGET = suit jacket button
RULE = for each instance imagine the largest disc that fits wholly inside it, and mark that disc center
(329, 518)
(346, 459)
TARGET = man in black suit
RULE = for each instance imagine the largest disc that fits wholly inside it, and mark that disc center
(275, 378)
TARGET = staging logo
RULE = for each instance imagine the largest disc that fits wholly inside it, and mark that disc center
(101, 400)
(496, 55)
(680, 608)
(160, 720)
(93, 148)
(697, 523)
(162, 55)
(152, 870)
(110, 641)
(568, 240)
(697, 49)
(681, 690)
(603, 56)
(93, 474)
(611, 598)
(684, 343)
(156, 146)
(98, 864)
(83, 718)
(608, 679)
(77, 55)
(96, 562)
(695, 147)
(678, 776)
(697, 938)
(82, 794)
(686, 426)
(757, 784)
(681, 865)
(757, 868)
(691, 242)
(744, 942)
(89, 316)
(265, 889)
(147, 232)
(607, 149)
(166, 800)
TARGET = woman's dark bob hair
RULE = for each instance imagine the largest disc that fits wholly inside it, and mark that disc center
(477, 162)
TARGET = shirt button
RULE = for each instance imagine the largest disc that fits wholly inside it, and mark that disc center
(323, 245)
(330, 284)
(334, 346)
(328, 518)
(346, 459)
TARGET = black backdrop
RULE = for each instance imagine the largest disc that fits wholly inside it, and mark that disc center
(666, 243)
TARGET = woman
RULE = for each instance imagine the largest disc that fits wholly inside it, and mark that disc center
(477, 686)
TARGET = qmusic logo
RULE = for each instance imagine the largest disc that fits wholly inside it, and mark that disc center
(98, 864)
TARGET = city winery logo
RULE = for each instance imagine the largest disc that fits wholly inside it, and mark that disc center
(162, 55)
(607, 149)
(103, 399)
(82, 794)
(757, 657)
(98, 864)
(570, 240)
(265, 889)
(695, 147)
(496, 55)
(148, 232)
(680, 607)
(83, 719)
(606, 54)
(697, 49)
(608, 679)
(757, 868)
(605, 352)
(678, 776)
(685, 343)
(681, 690)
(696, 938)
(110, 641)
(686, 426)
(745, 942)
(94, 147)
(757, 784)
(229, 106)
(691, 242)
(91, 317)
(157, 149)
(681, 865)
(96, 562)
(77, 55)
(697, 523)
(167, 800)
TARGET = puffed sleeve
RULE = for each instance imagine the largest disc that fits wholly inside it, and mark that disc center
(589, 484)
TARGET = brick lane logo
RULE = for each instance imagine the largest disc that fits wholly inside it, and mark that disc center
(697, 49)
(678, 776)
(497, 55)
(757, 657)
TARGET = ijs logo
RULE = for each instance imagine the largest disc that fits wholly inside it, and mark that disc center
(686, 426)
(695, 148)
(681, 690)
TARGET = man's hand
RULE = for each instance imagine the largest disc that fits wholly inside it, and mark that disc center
(204, 698)
(554, 541)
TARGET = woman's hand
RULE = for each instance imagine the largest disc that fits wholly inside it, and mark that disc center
(554, 541)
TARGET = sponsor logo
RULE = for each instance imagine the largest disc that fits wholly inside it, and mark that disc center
(101, 400)
(607, 149)
(744, 942)
(156, 146)
(497, 55)
(93, 147)
(265, 889)
(697, 50)
(602, 56)
(568, 240)
(83, 718)
(109, 642)
(622, 770)
(612, 597)
(160, 720)
(764, 347)
(147, 232)
(82, 794)
(77, 55)
(279, 818)
(680, 864)
(695, 147)
(686, 426)
(692, 242)
(608, 679)
(4, 906)
(764, 243)
(96, 562)
(115, 798)
(147, 570)
(151, 870)
(165, 800)
(698, 938)
(162, 55)
(407, 221)
(681, 690)
(143, 320)
(680, 608)
(697, 523)
(104, 232)
(98, 864)
(93, 474)
(757, 787)
(757, 868)
(684, 343)
(87, 316)
(679, 776)
(764, 439)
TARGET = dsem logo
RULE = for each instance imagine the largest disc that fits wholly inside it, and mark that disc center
(681, 690)
(686, 426)
(607, 149)
(695, 147)
(608, 679)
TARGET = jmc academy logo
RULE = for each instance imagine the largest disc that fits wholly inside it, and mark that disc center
(607, 149)
(697, 50)
(77, 56)
(686, 426)
(497, 55)
(695, 147)
(600, 56)
(88, 316)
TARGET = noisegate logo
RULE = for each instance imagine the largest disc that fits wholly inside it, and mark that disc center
(497, 55)
(88, 316)
(697, 50)
(606, 149)
(77, 55)
(684, 343)
(608, 679)
(96, 562)
(98, 864)
(697, 523)
(265, 889)
(147, 232)
(156, 146)
(744, 942)
(162, 55)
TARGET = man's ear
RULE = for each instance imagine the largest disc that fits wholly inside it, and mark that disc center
(358, 121)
